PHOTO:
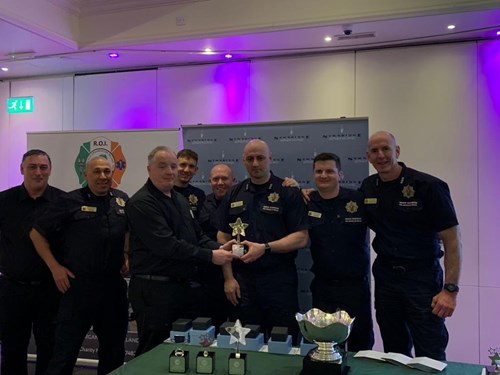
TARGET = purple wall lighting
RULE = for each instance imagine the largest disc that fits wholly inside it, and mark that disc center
(489, 69)
(234, 80)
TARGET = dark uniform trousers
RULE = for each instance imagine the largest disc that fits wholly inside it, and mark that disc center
(403, 297)
(97, 302)
(31, 305)
(157, 304)
(353, 296)
(268, 302)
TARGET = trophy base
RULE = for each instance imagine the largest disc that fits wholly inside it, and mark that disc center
(238, 250)
(312, 367)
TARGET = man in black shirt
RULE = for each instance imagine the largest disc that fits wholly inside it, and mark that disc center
(166, 247)
(28, 297)
(92, 225)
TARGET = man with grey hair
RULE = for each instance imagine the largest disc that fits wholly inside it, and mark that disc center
(166, 247)
(92, 225)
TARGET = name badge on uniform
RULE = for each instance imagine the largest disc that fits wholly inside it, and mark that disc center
(236, 204)
(370, 200)
(89, 209)
(315, 214)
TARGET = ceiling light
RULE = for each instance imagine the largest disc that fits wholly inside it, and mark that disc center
(498, 33)
(5, 69)
(328, 38)
(208, 51)
(451, 27)
(228, 56)
(113, 55)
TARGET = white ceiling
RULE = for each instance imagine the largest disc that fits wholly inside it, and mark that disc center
(50, 53)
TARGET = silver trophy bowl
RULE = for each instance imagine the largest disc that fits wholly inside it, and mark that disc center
(326, 330)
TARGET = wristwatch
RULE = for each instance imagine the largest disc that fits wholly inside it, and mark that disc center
(267, 248)
(452, 288)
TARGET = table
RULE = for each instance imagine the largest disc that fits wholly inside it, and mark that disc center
(155, 362)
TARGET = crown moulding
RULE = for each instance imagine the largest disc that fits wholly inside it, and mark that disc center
(91, 7)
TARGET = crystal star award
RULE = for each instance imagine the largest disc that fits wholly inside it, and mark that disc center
(238, 231)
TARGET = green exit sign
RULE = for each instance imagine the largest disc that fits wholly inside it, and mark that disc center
(20, 105)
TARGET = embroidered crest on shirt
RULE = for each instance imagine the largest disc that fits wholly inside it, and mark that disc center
(120, 202)
(193, 199)
(273, 197)
(408, 191)
(351, 207)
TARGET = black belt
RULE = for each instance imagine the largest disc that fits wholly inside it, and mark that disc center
(21, 282)
(401, 266)
(161, 278)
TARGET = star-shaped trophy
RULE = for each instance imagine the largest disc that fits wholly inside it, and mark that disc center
(237, 360)
(238, 230)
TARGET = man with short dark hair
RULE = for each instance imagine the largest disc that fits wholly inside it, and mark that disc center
(28, 297)
(340, 250)
(187, 160)
(92, 225)
(411, 214)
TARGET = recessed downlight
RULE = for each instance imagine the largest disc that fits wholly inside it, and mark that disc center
(451, 27)
(328, 38)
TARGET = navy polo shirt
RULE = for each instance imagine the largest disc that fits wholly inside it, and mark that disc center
(339, 236)
(408, 213)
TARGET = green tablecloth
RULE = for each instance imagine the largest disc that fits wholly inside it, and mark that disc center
(155, 362)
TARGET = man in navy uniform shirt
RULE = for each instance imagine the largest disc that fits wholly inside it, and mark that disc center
(187, 167)
(264, 285)
(411, 214)
(92, 224)
(215, 302)
(340, 250)
(28, 296)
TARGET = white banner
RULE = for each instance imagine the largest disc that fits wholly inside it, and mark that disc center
(127, 151)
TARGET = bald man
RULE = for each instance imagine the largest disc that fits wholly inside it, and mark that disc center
(93, 228)
(412, 215)
(263, 283)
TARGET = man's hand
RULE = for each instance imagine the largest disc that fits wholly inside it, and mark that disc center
(444, 304)
(232, 290)
(255, 251)
(290, 182)
(60, 275)
(306, 193)
(228, 245)
(221, 256)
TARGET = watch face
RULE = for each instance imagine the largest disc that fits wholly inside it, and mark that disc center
(452, 288)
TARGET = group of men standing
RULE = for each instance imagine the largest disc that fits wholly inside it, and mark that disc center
(62, 255)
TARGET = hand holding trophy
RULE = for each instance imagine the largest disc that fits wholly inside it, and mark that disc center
(238, 230)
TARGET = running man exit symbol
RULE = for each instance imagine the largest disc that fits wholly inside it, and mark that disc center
(20, 105)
